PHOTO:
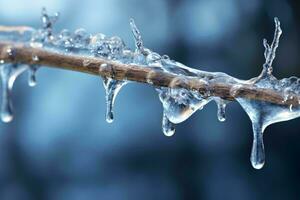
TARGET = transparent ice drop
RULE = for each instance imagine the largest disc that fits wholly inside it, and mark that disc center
(180, 104)
(263, 114)
(9, 73)
(167, 126)
(221, 105)
(112, 88)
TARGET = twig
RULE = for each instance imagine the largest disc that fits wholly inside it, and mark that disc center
(144, 74)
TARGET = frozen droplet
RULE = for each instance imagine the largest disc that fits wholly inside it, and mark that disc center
(81, 38)
(263, 114)
(112, 88)
(180, 104)
(221, 104)
(8, 73)
(116, 46)
(257, 152)
(167, 126)
(32, 75)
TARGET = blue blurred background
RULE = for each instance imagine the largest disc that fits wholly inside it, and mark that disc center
(59, 145)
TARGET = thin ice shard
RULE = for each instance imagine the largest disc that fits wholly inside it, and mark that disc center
(270, 50)
(48, 21)
(112, 88)
(137, 37)
(9, 73)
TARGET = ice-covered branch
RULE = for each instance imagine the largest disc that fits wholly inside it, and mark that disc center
(182, 90)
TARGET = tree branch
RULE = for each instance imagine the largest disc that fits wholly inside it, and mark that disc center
(144, 74)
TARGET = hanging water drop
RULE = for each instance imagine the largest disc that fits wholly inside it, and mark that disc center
(167, 126)
(180, 104)
(8, 73)
(257, 152)
(112, 88)
(81, 38)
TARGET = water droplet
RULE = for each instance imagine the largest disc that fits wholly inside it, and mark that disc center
(112, 88)
(257, 153)
(8, 73)
(81, 38)
(167, 126)
(180, 104)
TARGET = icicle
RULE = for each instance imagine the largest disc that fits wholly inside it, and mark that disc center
(167, 126)
(9, 73)
(180, 104)
(221, 104)
(112, 88)
(257, 153)
(263, 114)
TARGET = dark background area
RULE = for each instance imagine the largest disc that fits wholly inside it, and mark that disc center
(59, 145)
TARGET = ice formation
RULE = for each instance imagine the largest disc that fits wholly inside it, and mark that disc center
(178, 103)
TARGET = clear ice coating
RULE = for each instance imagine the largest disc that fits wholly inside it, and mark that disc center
(178, 103)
